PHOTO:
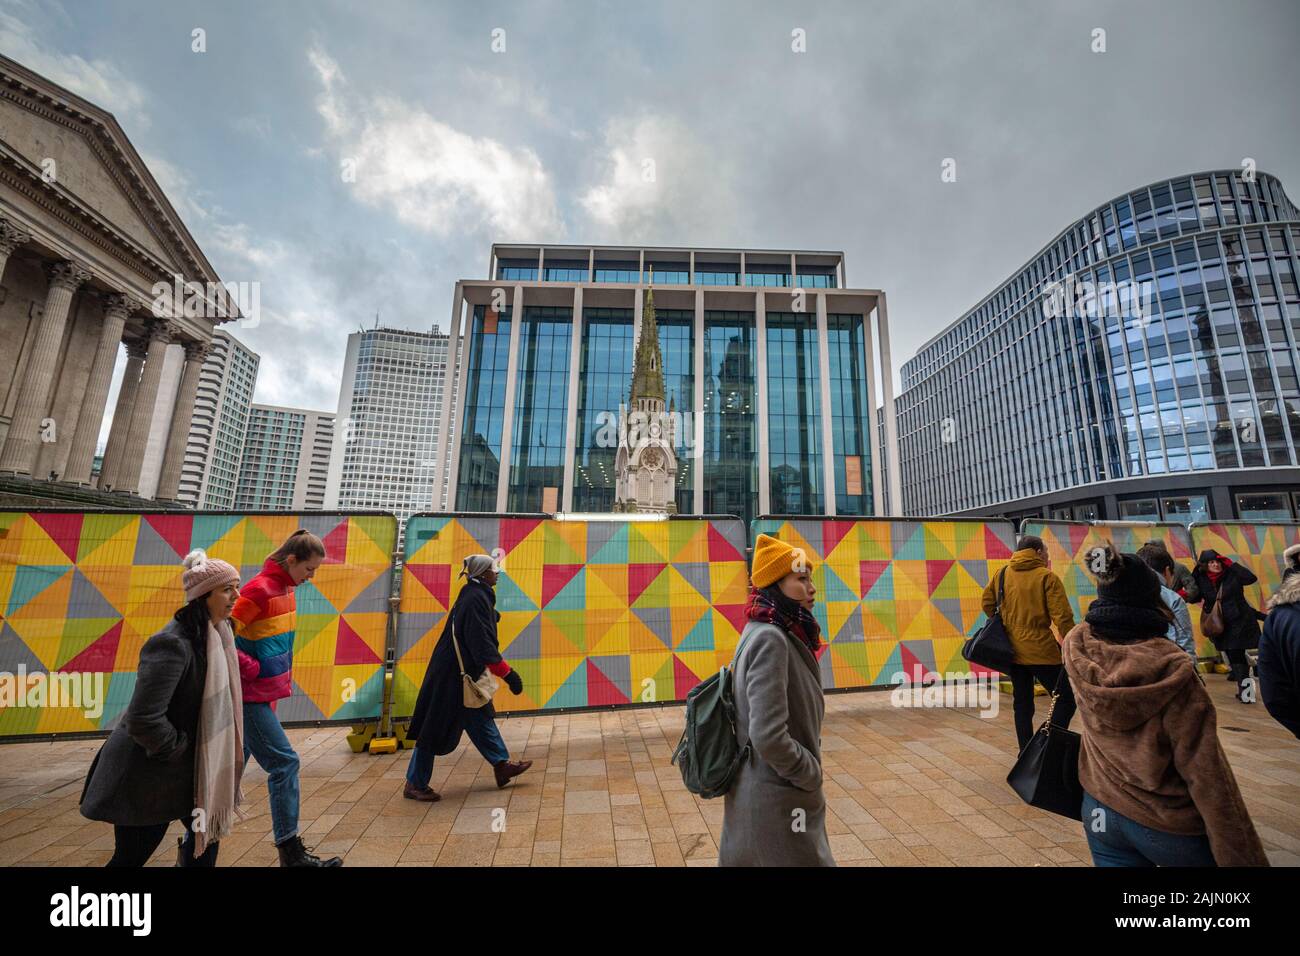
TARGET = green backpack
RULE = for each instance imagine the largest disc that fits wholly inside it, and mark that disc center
(709, 755)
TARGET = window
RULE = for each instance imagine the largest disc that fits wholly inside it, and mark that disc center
(1264, 506)
(1139, 509)
(1186, 509)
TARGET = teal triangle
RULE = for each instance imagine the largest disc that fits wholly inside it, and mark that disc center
(883, 588)
(573, 596)
(892, 666)
(573, 692)
(209, 529)
(367, 703)
(914, 548)
(309, 600)
(700, 637)
(510, 598)
(834, 588)
(613, 551)
(121, 688)
(30, 580)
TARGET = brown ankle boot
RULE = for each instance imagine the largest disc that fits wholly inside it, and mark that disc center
(427, 795)
(509, 768)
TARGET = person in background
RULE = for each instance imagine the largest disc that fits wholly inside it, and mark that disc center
(265, 619)
(440, 715)
(1180, 628)
(1184, 582)
(1158, 790)
(774, 814)
(177, 753)
(1220, 579)
(1278, 665)
(1035, 599)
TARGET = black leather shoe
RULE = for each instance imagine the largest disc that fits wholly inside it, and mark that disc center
(293, 853)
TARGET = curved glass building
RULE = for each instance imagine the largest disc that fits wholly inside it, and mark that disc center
(1141, 366)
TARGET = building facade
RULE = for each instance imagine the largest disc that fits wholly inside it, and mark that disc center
(389, 417)
(767, 360)
(1141, 366)
(86, 238)
(285, 465)
(222, 406)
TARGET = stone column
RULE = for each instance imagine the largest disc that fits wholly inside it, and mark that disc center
(135, 352)
(169, 482)
(24, 441)
(128, 474)
(81, 458)
(11, 237)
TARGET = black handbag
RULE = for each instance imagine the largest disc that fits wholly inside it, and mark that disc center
(1046, 774)
(990, 646)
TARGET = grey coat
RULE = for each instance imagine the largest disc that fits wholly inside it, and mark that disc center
(144, 773)
(779, 710)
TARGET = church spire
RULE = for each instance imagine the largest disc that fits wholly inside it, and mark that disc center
(647, 367)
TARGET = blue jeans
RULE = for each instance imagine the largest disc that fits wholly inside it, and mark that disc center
(266, 740)
(483, 734)
(1125, 842)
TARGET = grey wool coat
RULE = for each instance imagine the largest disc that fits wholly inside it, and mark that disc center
(775, 811)
(144, 773)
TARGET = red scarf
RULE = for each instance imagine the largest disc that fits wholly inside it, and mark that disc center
(801, 625)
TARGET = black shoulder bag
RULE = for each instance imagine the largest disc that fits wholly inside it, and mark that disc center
(1046, 774)
(990, 646)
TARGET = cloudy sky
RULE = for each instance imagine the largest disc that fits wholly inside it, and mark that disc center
(457, 144)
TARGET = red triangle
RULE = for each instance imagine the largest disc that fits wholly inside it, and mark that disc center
(1078, 535)
(350, 648)
(735, 613)
(870, 572)
(600, 689)
(336, 544)
(833, 533)
(1252, 536)
(936, 571)
(555, 577)
(514, 530)
(176, 530)
(683, 678)
(64, 530)
(912, 665)
(436, 579)
(640, 577)
(720, 549)
(99, 656)
(993, 545)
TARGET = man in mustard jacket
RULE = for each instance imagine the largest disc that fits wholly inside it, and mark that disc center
(1034, 600)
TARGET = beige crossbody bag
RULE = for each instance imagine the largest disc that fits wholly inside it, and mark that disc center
(477, 693)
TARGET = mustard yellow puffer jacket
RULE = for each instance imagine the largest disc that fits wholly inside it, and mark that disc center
(1035, 600)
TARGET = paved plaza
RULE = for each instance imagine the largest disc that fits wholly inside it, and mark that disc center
(905, 788)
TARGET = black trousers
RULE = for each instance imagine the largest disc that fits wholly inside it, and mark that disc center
(1022, 696)
(134, 845)
(1238, 666)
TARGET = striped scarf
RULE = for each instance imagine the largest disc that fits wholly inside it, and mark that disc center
(795, 619)
(219, 763)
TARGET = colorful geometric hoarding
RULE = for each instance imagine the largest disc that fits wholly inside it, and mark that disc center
(895, 597)
(1258, 546)
(81, 592)
(593, 613)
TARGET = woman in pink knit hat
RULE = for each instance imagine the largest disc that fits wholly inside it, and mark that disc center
(178, 751)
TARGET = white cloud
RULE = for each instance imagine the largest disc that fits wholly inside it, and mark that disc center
(431, 176)
(98, 81)
(658, 181)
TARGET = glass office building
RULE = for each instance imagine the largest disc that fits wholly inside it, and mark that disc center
(1142, 366)
(770, 373)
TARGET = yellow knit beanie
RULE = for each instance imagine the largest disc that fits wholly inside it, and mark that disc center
(773, 560)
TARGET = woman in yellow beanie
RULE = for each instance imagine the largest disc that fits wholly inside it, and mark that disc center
(775, 811)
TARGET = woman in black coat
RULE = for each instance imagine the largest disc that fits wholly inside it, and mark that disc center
(440, 714)
(1219, 579)
(176, 754)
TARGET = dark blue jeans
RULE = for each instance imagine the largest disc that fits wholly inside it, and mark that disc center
(266, 740)
(1123, 841)
(483, 734)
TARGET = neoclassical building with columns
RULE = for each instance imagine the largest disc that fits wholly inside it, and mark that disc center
(86, 235)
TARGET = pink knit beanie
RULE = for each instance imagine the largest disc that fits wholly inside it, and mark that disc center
(204, 575)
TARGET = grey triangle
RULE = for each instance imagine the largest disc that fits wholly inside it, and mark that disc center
(923, 651)
(374, 597)
(320, 524)
(659, 621)
(900, 533)
(599, 534)
(486, 531)
(14, 653)
(978, 570)
(697, 573)
(827, 670)
(951, 609)
(618, 668)
(733, 530)
(528, 645)
(299, 707)
(413, 626)
(810, 531)
(86, 601)
(150, 548)
(851, 630)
